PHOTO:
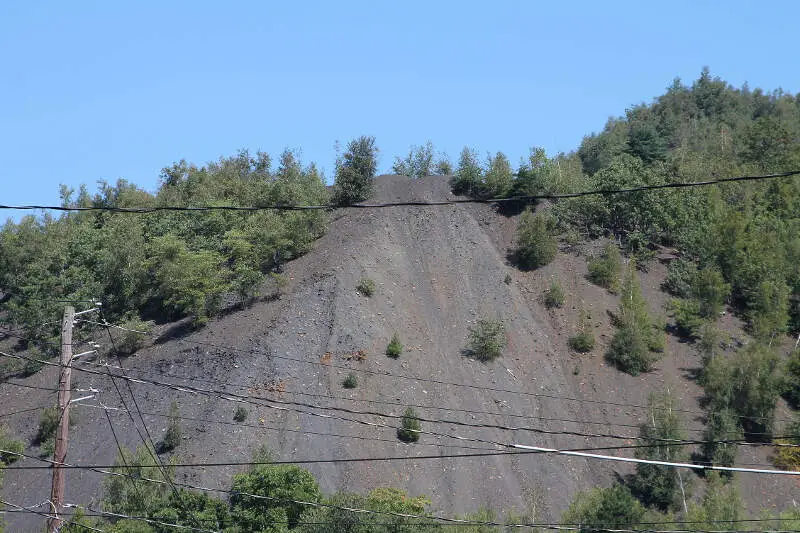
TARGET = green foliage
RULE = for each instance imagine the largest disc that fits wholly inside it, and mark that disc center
(172, 436)
(421, 162)
(163, 265)
(680, 276)
(583, 340)
(507, 280)
(355, 171)
(748, 383)
(788, 457)
(604, 508)
(382, 500)
(487, 339)
(350, 382)
(605, 269)
(48, 424)
(791, 374)
(687, 316)
(554, 295)
(135, 335)
(366, 287)
(536, 243)
(637, 338)
(12, 447)
(469, 173)
(34, 362)
(721, 508)
(747, 232)
(499, 177)
(410, 426)
(280, 483)
(395, 347)
(240, 414)
(655, 485)
(722, 425)
(710, 290)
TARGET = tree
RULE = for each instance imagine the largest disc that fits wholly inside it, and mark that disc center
(723, 425)
(637, 339)
(536, 244)
(417, 164)
(656, 485)
(355, 171)
(410, 426)
(721, 508)
(469, 173)
(499, 177)
(748, 383)
(604, 508)
(335, 519)
(282, 485)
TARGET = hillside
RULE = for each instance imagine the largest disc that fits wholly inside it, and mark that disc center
(437, 270)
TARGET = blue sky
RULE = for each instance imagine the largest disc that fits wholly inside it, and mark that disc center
(102, 90)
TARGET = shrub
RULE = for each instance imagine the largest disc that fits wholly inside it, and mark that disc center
(366, 287)
(687, 316)
(240, 415)
(410, 426)
(637, 336)
(792, 377)
(723, 425)
(487, 339)
(12, 447)
(680, 276)
(582, 342)
(350, 382)
(748, 383)
(355, 171)
(613, 507)
(788, 457)
(605, 269)
(172, 437)
(48, 423)
(536, 245)
(554, 296)
(711, 291)
(507, 280)
(420, 163)
(33, 365)
(134, 336)
(280, 281)
(657, 485)
(395, 347)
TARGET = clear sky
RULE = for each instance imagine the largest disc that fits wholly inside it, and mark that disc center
(102, 90)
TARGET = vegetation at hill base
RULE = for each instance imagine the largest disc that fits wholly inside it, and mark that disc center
(275, 498)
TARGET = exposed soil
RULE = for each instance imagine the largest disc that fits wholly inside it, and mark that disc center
(437, 271)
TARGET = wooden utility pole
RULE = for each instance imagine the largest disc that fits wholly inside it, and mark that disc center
(64, 386)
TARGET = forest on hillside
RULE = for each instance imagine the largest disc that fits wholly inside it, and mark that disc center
(734, 246)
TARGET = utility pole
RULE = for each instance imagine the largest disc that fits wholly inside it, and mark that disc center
(64, 386)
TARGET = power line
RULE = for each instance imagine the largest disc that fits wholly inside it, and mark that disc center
(251, 400)
(3, 415)
(45, 515)
(384, 402)
(384, 513)
(453, 384)
(283, 207)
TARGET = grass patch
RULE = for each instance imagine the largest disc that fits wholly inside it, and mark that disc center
(366, 287)
(350, 382)
(554, 296)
